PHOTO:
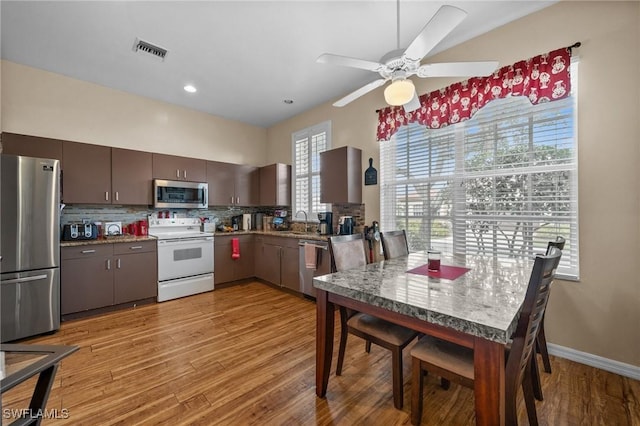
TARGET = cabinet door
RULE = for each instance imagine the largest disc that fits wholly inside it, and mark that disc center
(289, 265)
(221, 180)
(31, 146)
(131, 174)
(135, 277)
(86, 283)
(268, 263)
(86, 173)
(244, 267)
(223, 264)
(247, 185)
(341, 175)
(275, 185)
(172, 167)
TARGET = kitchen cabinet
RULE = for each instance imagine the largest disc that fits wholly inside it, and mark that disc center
(275, 185)
(172, 167)
(86, 173)
(31, 146)
(232, 184)
(277, 261)
(101, 275)
(228, 269)
(131, 177)
(341, 175)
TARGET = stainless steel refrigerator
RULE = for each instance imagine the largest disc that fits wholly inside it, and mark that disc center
(30, 234)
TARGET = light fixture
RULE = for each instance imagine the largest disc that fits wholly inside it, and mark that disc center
(399, 92)
(189, 88)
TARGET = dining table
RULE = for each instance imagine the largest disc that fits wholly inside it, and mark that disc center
(473, 301)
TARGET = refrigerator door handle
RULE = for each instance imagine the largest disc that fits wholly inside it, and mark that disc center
(24, 279)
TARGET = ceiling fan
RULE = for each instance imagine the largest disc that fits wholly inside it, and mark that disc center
(399, 64)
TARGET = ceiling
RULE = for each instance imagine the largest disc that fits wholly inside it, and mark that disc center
(245, 58)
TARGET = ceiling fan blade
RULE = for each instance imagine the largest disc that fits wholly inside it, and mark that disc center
(457, 69)
(413, 104)
(360, 92)
(441, 24)
(345, 61)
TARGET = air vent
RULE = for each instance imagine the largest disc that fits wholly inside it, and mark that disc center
(142, 46)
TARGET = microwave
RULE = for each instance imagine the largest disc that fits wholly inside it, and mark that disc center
(179, 194)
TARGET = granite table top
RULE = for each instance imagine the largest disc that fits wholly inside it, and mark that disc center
(484, 302)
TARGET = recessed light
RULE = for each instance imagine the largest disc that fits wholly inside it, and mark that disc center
(189, 88)
(288, 101)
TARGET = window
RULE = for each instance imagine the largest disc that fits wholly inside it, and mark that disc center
(502, 184)
(307, 145)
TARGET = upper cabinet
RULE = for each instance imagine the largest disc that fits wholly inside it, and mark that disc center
(31, 146)
(232, 184)
(275, 185)
(94, 174)
(171, 167)
(341, 175)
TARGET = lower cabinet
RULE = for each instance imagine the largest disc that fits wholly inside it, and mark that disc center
(100, 275)
(227, 269)
(277, 261)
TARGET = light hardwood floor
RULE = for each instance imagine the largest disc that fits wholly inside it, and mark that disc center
(246, 354)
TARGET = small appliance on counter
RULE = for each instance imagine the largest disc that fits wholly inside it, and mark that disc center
(246, 222)
(346, 225)
(256, 221)
(326, 223)
(236, 222)
(79, 231)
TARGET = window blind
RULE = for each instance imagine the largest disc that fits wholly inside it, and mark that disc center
(307, 145)
(501, 184)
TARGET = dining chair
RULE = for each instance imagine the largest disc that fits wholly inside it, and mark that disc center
(455, 363)
(394, 244)
(349, 252)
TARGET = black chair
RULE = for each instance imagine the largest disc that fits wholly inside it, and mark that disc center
(394, 244)
(454, 362)
(349, 252)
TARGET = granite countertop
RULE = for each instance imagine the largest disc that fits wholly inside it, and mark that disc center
(285, 234)
(107, 240)
(484, 302)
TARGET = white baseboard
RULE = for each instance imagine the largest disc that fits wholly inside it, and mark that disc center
(596, 361)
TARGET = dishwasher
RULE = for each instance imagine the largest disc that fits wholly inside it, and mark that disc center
(323, 265)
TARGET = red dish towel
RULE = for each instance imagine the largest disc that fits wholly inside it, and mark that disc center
(446, 272)
(235, 248)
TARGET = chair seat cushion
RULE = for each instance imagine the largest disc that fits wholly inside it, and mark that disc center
(381, 329)
(446, 355)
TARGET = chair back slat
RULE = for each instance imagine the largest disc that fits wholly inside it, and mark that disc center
(531, 316)
(559, 243)
(347, 252)
(394, 244)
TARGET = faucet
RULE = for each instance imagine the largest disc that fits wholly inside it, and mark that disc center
(306, 220)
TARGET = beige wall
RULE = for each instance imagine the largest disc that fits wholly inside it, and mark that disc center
(600, 314)
(41, 103)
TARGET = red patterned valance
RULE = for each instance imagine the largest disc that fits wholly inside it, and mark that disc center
(543, 78)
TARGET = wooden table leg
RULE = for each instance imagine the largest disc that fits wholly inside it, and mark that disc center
(489, 389)
(324, 341)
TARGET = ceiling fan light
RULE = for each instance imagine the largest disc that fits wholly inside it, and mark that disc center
(399, 92)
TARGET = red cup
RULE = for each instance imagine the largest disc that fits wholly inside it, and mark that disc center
(133, 229)
(142, 228)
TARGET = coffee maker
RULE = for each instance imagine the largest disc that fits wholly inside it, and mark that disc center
(326, 223)
(346, 225)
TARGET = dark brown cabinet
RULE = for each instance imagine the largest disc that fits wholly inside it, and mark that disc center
(228, 269)
(31, 146)
(100, 275)
(232, 184)
(276, 261)
(131, 177)
(86, 173)
(341, 175)
(275, 185)
(171, 167)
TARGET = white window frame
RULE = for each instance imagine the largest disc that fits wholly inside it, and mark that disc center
(394, 180)
(313, 174)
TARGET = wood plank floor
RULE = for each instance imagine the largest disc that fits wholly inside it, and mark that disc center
(246, 354)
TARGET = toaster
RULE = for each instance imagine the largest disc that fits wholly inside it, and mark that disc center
(79, 231)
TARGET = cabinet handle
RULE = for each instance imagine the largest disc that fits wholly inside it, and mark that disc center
(135, 247)
(232, 199)
(87, 251)
(106, 195)
(237, 200)
(118, 263)
(108, 264)
(185, 174)
(117, 196)
(177, 173)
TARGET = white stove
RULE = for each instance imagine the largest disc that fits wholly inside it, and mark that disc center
(185, 257)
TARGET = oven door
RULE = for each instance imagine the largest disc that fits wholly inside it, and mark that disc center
(184, 257)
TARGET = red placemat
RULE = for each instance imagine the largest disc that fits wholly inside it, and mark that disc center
(446, 272)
